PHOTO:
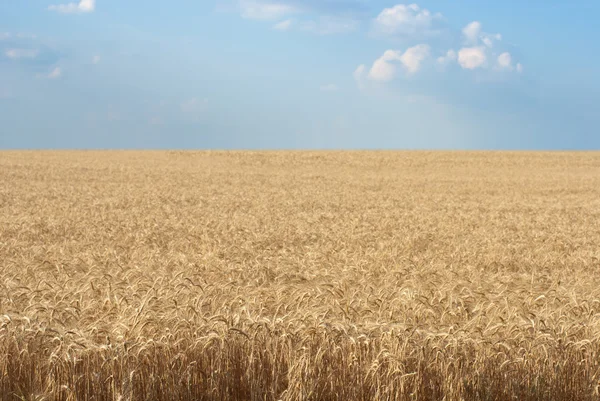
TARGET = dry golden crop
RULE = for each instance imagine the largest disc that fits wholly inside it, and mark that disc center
(299, 276)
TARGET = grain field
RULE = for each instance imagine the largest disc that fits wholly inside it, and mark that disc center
(155, 276)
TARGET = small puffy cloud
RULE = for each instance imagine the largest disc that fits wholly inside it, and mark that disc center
(505, 61)
(519, 67)
(283, 25)
(55, 73)
(472, 32)
(405, 20)
(449, 57)
(261, 10)
(328, 25)
(471, 58)
(329, 88)
(84, 6)
(16, 54)
(384, 68)
(413, 57)
(96, 59)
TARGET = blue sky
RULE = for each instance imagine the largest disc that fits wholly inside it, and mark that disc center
(300, 74)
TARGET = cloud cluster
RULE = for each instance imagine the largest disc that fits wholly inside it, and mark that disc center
(476, 50)
(479, 50)
(84, 6)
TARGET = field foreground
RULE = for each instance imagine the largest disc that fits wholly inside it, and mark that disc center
(299, 276)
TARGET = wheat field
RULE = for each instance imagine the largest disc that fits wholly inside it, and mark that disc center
(299, 276)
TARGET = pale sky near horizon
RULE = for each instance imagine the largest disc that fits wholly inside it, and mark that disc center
(299, 74)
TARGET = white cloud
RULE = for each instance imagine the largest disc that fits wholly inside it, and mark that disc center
(4, 35)
(55, 73)
(96, 59)
(329, 88)
(16, 54)
(328, 25)
(472, 32)
(519, 67)
(405, 20)
(505, 61)
(194, 106)
(283, 25)
(471, 58)
(258, 10)
(84, 6)
(413, 57)
(384, 69)
(449, 57)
